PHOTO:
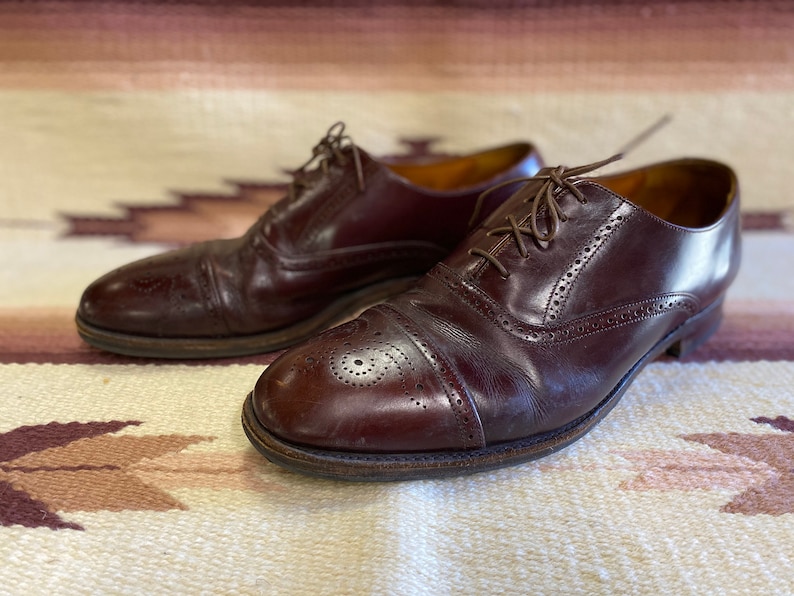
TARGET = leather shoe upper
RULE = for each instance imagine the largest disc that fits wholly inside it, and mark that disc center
(350, 223)
(532, 322)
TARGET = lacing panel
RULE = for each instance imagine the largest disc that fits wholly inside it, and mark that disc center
(544, 200)
(330, 149)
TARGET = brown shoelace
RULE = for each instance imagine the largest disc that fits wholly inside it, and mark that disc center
(330, 148)
(544, 199)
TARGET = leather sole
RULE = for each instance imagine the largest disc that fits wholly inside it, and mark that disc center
(412, 466)
(226, 347)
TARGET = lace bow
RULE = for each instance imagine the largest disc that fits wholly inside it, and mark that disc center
(331, 148)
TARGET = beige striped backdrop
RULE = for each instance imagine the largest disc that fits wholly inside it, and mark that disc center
(128, 127)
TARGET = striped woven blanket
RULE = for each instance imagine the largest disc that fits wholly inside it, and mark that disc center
(130, 127)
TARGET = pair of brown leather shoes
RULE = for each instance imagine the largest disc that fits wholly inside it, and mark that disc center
(351, 232)
(516, 343)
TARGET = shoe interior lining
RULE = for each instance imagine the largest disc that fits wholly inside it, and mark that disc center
(455, 173)
(692, 195)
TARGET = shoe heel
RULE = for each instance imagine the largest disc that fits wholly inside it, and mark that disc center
(696, 330)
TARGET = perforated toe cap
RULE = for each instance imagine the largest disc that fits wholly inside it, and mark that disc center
(366, 386)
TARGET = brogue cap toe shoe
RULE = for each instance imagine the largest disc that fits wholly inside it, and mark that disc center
(519, 341)
(350, 232)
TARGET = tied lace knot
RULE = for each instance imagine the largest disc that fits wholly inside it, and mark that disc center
(542, 200)
(331, 148)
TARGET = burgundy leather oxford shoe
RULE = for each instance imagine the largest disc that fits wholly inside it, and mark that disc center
(351, 232)
(521, 340)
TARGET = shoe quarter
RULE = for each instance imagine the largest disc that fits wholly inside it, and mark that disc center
(541, 286)
(595, 246)
(646, 258)
(321, 229)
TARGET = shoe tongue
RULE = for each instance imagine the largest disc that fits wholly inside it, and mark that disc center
(516, 205)
(368, 163)
(545, 171)
(521, 204)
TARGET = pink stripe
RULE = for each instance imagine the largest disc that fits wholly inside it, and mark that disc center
(599, 18)
(750, 332)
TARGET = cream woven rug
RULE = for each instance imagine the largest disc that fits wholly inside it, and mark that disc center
(129, 127)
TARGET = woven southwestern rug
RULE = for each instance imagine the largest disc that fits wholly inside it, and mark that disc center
(127, 128)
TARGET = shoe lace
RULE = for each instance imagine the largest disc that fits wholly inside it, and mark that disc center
(543, 200)
(331, 148)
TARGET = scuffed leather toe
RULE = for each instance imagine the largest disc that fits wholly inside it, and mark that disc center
(337, 392)
(168, 295)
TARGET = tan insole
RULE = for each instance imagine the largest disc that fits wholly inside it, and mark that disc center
(461, 172)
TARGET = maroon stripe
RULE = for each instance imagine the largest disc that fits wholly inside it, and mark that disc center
(88, 355)
(101, 358)
(370, 8)
(510, 5)
(19, 508)
(132, 227)
(749, 337)
(767, 220)
(743, 336)
(24, 440)
(350, 17)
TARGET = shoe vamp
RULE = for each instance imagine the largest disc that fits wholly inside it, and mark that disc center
(526, 379)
